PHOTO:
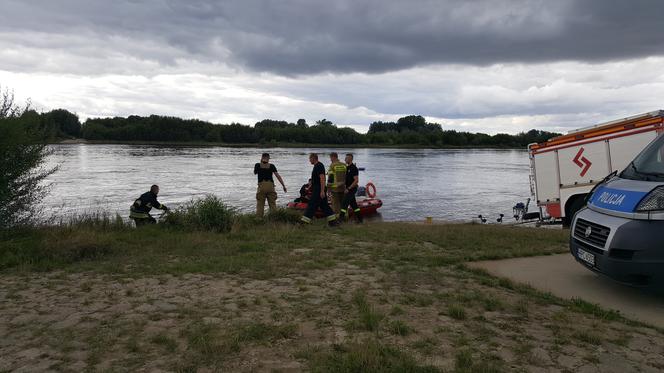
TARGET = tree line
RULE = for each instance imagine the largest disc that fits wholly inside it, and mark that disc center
(412, 130)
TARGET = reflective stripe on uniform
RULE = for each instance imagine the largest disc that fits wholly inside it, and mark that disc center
(138, 215)
(344, 211)
(331, 217)
(357, 210)
(306, 219)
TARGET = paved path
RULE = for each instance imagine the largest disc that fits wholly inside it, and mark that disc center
(564, 277)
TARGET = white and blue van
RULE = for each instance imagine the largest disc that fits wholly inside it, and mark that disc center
(620, 233)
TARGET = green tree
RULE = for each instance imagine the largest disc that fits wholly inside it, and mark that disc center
(63, 122)
(22, 172)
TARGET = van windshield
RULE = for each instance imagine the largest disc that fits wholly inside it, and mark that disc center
(649, 165)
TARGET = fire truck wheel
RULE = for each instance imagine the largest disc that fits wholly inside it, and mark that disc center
(575, 204)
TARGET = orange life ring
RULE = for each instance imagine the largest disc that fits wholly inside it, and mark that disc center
(371, 190)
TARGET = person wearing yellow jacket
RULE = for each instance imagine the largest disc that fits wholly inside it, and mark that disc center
(336, 181)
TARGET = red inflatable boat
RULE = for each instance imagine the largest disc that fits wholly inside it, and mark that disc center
(368, 205)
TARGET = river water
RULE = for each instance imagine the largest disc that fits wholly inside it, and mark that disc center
(413, 184)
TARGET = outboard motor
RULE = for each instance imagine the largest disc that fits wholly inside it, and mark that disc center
(361, 191)
(520, 209)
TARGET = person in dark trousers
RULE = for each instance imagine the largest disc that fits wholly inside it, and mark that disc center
(352, 180)
(140, 210)
(264, 170)
(318, 195)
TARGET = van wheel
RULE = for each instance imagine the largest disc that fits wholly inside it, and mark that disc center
(572, 208)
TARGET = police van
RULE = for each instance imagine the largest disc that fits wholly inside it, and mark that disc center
(620, 233)
(564, 169)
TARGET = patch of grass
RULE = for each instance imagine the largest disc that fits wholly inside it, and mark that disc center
(398, 327)
(466, 362)
(282, 215)
(522, 307)
(168, 343)
(425, 345)
(263, 332)
(582, 306)
(205, 340)
(587, 337)
(492, 303)
(369, 318)
(419, 300)
(456, 312)
(99, 220)
(210, 344)
(368, 356)
(132, 344)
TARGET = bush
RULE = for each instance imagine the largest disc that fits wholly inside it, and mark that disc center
(208, 214)
(23, 153)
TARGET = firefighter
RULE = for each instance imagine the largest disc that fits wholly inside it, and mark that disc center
(140, 210)
(318, 195)
(305, 193)
(264, 170)
(352, 180)
(336, 181)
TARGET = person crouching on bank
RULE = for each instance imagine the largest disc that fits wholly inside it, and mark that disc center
(140, 209)
(265, 171)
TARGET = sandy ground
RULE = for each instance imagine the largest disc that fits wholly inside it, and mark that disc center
(75, 322)
(564, 277)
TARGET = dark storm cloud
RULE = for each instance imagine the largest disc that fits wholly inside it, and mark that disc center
(303, 37)
(294, 37)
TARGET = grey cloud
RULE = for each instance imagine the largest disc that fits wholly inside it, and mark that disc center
(301, 37)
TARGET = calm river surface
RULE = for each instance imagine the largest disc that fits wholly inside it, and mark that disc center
(413, 184)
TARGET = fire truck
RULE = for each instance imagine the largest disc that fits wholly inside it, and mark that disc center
(564, 169)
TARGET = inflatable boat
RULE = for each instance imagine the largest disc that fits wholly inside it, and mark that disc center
(367, 202)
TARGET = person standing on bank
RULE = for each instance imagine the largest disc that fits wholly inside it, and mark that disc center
(318, 195)
(352, 181)
(336, 181)
(264, 170)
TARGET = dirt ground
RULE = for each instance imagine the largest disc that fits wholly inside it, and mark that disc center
(447, 318)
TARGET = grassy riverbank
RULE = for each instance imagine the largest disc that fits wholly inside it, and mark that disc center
(276, 297)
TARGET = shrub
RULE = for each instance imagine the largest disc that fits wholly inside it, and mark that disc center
(208, 214)
(22, 172)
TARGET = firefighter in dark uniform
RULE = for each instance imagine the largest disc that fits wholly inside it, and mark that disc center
(352, 180)
(140, 210)
(318, 195)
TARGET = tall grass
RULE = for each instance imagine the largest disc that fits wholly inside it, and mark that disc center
(100, 220)
(209, 213)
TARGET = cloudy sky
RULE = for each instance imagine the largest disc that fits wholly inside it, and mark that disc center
(477, 65)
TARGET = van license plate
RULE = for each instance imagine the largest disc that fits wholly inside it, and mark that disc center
(586, 256)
